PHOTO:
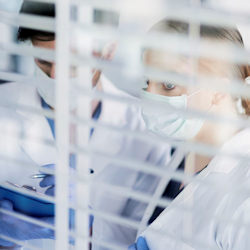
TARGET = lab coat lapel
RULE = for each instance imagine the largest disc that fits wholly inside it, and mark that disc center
(37, 132)
(107, 141)
(102, 136)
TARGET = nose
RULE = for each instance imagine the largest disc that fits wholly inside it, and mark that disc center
(52, 73)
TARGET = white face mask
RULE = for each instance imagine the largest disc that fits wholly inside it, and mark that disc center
(163, 121)
(47, 88)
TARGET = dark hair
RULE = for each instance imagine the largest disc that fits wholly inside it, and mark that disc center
(41, 9)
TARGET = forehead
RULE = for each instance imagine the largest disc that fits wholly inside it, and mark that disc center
(180, 64)
(44, 44)
(166, 61)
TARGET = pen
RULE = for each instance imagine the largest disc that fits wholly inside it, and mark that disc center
(38, 176)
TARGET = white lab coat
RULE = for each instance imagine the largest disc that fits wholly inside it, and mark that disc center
(108, 142)
(22, 134)
(212, 207)
(127, 117)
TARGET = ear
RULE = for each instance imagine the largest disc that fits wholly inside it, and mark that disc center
(218, 97)
(247, 80)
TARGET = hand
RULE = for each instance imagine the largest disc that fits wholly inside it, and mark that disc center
(49, 181)
(141, 244)
(19, 229)
(107, 53)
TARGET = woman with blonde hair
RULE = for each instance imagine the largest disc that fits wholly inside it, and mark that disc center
(212, 212)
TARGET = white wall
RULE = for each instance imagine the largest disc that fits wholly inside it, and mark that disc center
(238, 7)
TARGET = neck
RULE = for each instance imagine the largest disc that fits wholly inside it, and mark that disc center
(217, 133)
(214, 134)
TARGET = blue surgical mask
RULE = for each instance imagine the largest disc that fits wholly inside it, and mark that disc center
(164, 121)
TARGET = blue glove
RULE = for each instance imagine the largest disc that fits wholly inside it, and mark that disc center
(141, 244)
(49, 181)
(21, 230)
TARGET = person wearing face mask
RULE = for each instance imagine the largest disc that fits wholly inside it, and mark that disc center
(104, 141)
(212, 211)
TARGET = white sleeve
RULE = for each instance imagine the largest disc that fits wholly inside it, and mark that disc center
(205, 216)
(111, 204)
(185, 224)
(120, 205)
(233, 229)
(124, 147)
(237, 236)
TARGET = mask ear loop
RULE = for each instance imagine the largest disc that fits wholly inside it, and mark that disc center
(239, 106)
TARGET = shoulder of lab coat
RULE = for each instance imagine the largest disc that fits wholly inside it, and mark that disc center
(26, 145)
(118, 120)
(109, 87)
(118, 109)
(212, 206)
(111, 170)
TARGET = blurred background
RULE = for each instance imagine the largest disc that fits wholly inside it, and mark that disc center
(150, 12)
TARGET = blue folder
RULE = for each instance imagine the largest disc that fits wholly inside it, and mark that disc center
(26, 204)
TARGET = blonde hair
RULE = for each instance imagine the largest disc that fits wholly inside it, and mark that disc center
(211, 32)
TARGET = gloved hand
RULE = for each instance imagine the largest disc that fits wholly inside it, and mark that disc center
(21, 230)
(49, 181)
(141, 244)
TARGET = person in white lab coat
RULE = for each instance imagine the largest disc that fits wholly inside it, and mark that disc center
(103, 141)
(212, 212)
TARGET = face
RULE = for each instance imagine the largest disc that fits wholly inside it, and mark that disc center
(163, 121)
(200, 99)
(49, 68)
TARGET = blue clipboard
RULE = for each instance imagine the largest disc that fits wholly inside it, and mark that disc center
(26, 204)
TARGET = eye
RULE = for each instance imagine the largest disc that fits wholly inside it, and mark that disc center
(168, 86)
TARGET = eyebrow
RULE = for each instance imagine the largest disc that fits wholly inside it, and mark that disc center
(44, 37)
(44, 62)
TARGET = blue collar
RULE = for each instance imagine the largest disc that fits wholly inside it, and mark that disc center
(95, 116)
(51, 122)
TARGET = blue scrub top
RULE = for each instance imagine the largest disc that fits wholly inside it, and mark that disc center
(51, 122)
